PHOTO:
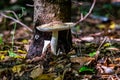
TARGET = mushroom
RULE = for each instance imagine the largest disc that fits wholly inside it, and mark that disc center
(54, 27)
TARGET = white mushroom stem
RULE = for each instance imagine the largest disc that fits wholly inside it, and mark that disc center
(54, 41)
(46, 43)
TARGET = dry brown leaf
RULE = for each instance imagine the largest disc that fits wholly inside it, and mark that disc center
(81, 60)
(113, 49)
(116, 59)
(36, 72)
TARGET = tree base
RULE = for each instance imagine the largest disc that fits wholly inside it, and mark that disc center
(36, 47)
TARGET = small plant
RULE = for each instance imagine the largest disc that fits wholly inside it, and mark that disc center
(23, 12)
(13, 35)
(86, 69)
(92, 54)
(1, 40)
(11, 52)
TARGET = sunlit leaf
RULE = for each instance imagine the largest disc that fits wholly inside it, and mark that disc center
(107, 44)
(112, 25)
(2, 57)
(16, 69)
(101, 26)
(92, 54)
(18, 56)
(86, 69)
(3, 52)
(21, 51)
(25, 41)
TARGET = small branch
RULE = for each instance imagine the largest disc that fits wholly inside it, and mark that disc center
(8, 11)
(29, 5)
(17, 21)
(84, 17)
(105, 38)
(76, 2)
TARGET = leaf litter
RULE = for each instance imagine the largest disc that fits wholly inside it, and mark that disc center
(65, 66)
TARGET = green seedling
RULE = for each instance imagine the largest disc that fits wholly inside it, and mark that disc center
(12, 54)
(13, 35)
(86, 69)
(92, 54)
(23, 12)
(1, 40)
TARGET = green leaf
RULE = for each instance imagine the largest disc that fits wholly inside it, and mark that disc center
(107, 45)
(12, 54)
(92, 54)
(85, 69)
(1, 40)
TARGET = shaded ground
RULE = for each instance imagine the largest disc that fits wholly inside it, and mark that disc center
(81, 63)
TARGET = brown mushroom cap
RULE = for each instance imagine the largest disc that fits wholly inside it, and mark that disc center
(58, 26)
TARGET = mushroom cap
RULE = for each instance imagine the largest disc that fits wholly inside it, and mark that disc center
(55, 26)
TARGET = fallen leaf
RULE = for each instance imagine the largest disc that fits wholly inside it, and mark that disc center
(49, 76)
(59, 78)
(16, 69)
(81, 60)
(117, 59)
(2, 57)
(21, 51)
(36, 72)
(24, 41)
(113, 49)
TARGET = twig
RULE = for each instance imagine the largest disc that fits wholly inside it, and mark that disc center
(105, 38)
(8, 11)
(17, 21)
(29, 5)
(84, 17)
(98, 50)
(76, 2)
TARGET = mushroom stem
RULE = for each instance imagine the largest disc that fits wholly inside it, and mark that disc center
(46, 43)
(54, 40)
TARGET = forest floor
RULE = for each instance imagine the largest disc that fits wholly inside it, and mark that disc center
(95, 54)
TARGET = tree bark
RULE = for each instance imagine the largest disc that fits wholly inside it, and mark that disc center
(46, 11)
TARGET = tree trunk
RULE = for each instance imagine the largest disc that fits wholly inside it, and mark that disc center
(46, 11)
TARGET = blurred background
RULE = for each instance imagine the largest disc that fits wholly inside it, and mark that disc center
(105, 11)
